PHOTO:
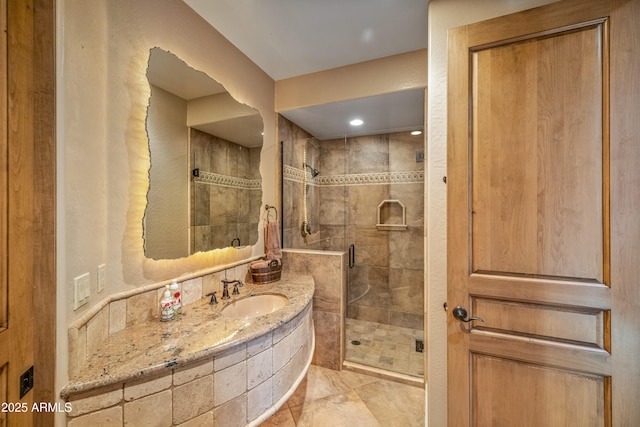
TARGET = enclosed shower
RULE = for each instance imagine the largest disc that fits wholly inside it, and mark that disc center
(365, 196)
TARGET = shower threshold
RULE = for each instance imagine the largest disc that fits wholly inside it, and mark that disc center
(383, 373)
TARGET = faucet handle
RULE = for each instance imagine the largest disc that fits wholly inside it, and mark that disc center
(214, 300)
(235, 288)
(240, 283)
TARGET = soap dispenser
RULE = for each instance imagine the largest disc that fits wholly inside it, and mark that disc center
(174, 288)
(167, 311)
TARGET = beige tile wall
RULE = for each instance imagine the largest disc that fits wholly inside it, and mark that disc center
(387, 283)
(329, 274)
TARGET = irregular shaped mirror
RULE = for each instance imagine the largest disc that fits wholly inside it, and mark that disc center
(204, 182)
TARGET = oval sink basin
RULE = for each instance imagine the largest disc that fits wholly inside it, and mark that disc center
(254, 306)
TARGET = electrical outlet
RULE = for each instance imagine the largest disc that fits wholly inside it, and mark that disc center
(101, 277)
(81, 290)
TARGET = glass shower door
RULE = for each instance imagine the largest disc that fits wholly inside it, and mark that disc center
(384, 319)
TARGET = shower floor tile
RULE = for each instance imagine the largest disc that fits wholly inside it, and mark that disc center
(384, 346)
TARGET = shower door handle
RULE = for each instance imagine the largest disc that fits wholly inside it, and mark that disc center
(352, 255)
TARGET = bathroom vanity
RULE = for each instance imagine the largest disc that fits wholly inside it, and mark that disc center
(211, 367)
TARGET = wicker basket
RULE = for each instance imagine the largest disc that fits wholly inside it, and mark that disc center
(268, 274)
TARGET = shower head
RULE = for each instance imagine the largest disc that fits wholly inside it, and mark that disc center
(314, 172)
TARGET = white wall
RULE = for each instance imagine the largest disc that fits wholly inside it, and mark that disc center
(103, 159)
(445, 14)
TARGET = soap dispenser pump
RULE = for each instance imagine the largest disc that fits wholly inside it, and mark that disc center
(167, 311)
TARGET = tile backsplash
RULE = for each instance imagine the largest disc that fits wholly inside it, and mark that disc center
(87, 334)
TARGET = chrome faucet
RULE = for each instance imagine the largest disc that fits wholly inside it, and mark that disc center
(225, 287)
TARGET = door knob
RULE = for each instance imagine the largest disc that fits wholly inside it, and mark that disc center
(460, 313)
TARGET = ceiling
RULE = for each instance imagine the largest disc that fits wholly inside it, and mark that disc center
(288, 38)
(393, 112)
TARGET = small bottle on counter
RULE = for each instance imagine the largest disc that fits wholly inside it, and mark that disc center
(167, 311)
(174, 288)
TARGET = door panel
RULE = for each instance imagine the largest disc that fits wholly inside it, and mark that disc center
(531, 209)
(512, 398)
(581, 326)
(537, 155)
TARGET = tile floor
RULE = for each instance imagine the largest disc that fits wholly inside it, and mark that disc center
(387, 347)
(343, 398)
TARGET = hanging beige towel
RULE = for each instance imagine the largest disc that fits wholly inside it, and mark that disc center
(272, 241)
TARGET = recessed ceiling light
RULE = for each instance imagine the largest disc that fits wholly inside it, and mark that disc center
(356, 122)
(416, 132)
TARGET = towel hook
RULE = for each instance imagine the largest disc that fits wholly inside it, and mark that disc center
(268, 209)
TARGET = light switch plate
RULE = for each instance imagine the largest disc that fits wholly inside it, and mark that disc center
(81, 290)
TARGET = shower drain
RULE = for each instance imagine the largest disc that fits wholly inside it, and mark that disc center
(355, 342)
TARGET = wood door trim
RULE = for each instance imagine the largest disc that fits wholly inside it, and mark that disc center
(531, 21)
(458, 238)
(3, 167)
(625, 205)
(44, 298)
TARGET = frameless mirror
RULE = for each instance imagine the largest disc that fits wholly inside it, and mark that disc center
(205, 189)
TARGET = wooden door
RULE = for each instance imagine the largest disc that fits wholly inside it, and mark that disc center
(27, 211)
(16, 177)
(544, 217)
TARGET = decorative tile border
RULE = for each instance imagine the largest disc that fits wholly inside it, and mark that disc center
(228, 181)
(409, 177)
(404, 177)
(294, 174)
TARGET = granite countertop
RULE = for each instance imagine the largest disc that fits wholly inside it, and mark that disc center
(200, 332)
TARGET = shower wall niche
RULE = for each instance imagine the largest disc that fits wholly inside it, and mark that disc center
(356, 175)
